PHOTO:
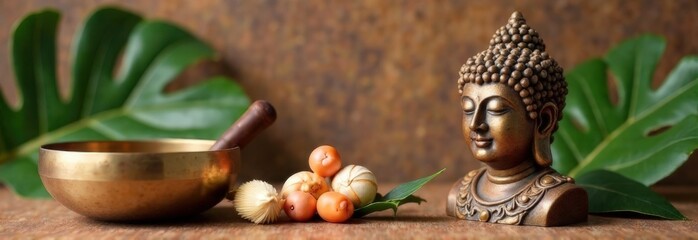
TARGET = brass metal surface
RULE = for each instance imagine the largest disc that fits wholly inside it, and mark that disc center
(512, 96)
(138, 180)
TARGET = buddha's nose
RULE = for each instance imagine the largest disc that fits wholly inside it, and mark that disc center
(481, 126)
(478, 123)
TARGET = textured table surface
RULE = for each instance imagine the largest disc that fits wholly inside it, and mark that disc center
(22, 218)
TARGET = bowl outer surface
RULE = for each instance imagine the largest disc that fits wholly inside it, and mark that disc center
(138, 180)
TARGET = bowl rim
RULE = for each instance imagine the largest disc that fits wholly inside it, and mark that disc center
(56, 162)
(59, 146)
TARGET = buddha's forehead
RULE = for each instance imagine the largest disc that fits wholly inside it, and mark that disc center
(480, 92)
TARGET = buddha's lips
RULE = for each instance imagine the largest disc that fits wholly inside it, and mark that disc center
(482, 142)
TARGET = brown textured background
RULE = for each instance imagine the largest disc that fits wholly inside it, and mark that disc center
(376, 79)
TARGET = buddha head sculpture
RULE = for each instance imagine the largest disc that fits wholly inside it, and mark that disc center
(512, 96)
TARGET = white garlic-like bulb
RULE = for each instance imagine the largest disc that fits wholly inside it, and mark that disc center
(357, 183)
(307, 182)
(258, 202)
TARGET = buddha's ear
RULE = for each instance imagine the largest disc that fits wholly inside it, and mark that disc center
(545, 124)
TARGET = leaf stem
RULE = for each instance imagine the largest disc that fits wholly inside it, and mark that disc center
(35, 143)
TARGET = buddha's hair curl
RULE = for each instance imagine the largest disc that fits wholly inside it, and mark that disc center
(516, 57)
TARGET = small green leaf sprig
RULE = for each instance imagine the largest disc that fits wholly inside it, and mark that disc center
(400, 195)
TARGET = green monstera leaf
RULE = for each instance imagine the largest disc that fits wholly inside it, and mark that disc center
(611, 192)
(130, 104)
(648, 134)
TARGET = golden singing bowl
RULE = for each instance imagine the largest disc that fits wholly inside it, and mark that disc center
(138, 180)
